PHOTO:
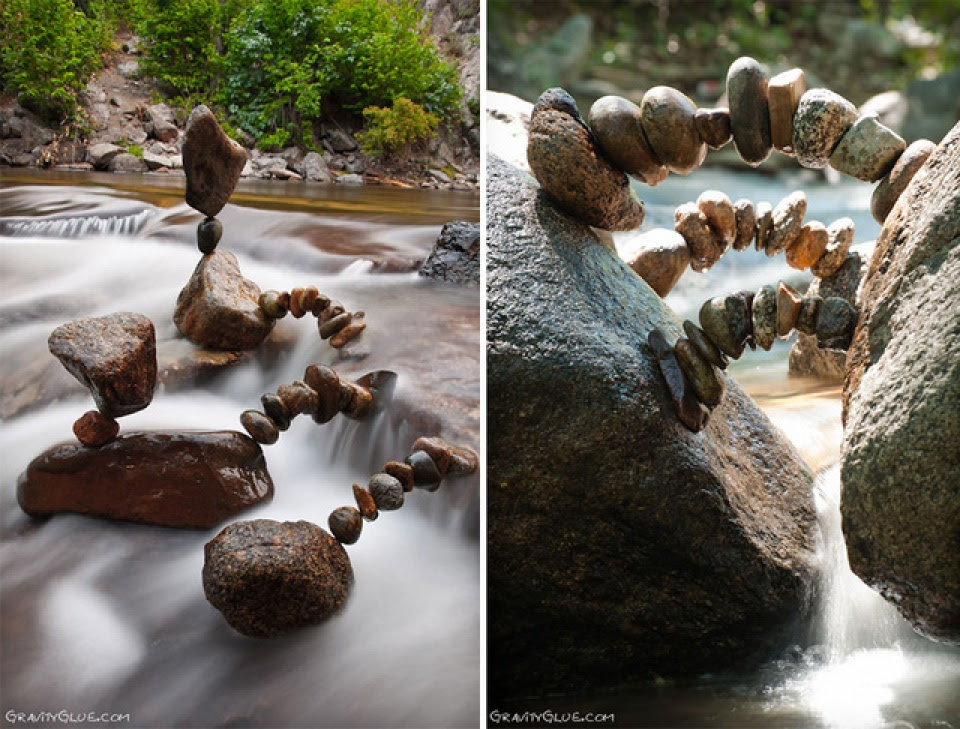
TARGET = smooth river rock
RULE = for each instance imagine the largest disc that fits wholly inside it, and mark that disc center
(891, 187)
(822, 119)
(669, 123)
(659, 257)
(617, 125)
(114, 356)
(749, 110)
(212, 162)
(219, 308)
(868, 150)
(268, 577)
(187, 480)
(610, 523)
(901, 464)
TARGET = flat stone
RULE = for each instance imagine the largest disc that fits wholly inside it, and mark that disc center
(708, 350)
(788, 309)
(451, 459)
(402, 472)
(718, 209)
(746, 219)
(260, 427)
(350, 332)
(764, 310)
(809, 246)
(276, 409)
(689, 411)
(212, 162)
(868, 150)
(836, 321)
(114, 356)
(783, 93)
(692, 225)
(658, 256)
(207, 478)
(892, 186)
(786, 223)
(713, 126)
(749, 110)
(219, 308)
(618, 128)
(365, 503)
(669, 121)
(839, 239)
(300, 398)
(727, 321)
(764, 225)
(326, 382)
(822, 119)
(386, 491)
(346, 524)
(572, 172)
(701, 375)
(95, 429)
(809, 311)
(268, 578)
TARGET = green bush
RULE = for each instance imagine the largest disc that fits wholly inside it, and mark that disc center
(48, 51)
(394, 129)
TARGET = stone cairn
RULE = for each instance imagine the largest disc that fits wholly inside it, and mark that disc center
(583, 166)
(265, 577)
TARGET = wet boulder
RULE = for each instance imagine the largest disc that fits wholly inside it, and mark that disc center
(192, 480)
(621, 544)
(901, 463)
(456, 255)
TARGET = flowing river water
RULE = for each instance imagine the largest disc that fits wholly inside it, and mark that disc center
(110, 617)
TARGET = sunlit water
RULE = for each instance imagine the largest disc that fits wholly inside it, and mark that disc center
(109, 617)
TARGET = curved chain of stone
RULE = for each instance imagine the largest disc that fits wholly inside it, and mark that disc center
(333, 320)
(728, 324)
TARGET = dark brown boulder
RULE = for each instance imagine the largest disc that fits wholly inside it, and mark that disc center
(268, 578)
(186, 480)
(115, 356)
(212, 162)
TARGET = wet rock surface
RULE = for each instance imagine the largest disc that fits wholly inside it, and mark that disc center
(726, 511)
(212, 162)
(192, 480)
(268, 578)
(456, 255)
(901, 482)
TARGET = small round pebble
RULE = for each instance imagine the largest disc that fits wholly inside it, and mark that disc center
(787, 222)
(334, 325)
(307, 298)
(808, 247)
(425, 473)
(746, 218)
(346, 523)
(209, 232)
(891, 187)
(720, 214)
(95, 429)
(438, 449)
(702, 342)
(617, 125)
(809, 312)
(714, 128)
(386, 491)
(299, 398)
(403, 472)
(365, 503)
(276, 410)
(705, 247)
(788, 309)
(701, 375)
(669, 121)
(765, 317)
(272, 303)
(296, 303)
(261, 428)
(822, 119)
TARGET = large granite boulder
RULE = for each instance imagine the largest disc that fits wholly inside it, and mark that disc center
(620, 543)
(456, 254)
(901, 462)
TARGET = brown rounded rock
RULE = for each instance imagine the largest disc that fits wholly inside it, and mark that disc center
(276, 409)
(868, 150)
(892, 186)
(296, 303)
(95, 429)
(822, 119)
(689, 411)
(809, 311)
(334, 324)
(809, 246)
(669, 121)
(788, 309)
(209, 232)
(300, 398)
(746, 219)
(839, 239)
(387, 491)
(764, 225)
(764, 311)
(718, 209)
(708, 350)
(783, 95)
(786, 223)
(749, 110)
(713, 126)
(346, 523)
(348, 333)
(425, 473)
(701, 375)
(836, 321)
(261, 428)
(274, 304)
(356, 402)
(438, 449)
(617, 126)
(705, 247)
(658, 256)
(308, 297)
(212, 162)
(727, 321)
(268, 578)
(326, 383)
(365, 503)
(320, 304)
(333, 309)
(402, 472)
(572, 172)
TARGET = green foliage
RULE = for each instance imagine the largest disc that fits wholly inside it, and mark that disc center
(136, 150)
(275, 140)
(391, 130)
(48, 50)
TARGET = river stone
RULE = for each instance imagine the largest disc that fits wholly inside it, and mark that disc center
(267, 577)
(764, 225)
(868, 150)
(456, 254)
(618, 128)
(901, 470)
(114, 356)
(580, 423)
(835, 323)
(93, 428)
(658, 256)
(839, 239)
(701, 375)
(808, 247)
(572, 172)
(892, 186)
(727, 321)
(746, 218)
(708, 350)
(670, 126)
(783, 94)
(718, 209)
(749, 110)
(126, 162)
(100, 155)
(786, 223)
(192, 480)
(822, 119)
(219, 308)
(212, 162)
(788, 309)
(809, 311)
(688, 409)
(765, 317)
(693, 227)
(713, 126)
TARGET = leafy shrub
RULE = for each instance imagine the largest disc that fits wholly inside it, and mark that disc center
(392, 130)
(48, 51)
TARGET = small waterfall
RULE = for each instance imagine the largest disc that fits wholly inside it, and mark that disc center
(76, 226)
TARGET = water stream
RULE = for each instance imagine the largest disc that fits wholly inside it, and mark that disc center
(109, 617)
